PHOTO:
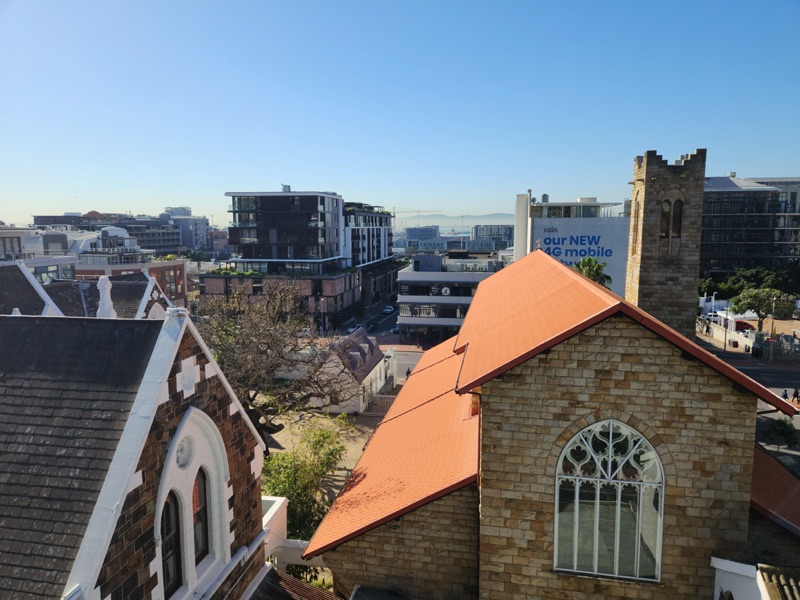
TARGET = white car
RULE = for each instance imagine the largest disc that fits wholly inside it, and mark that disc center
(356, 326)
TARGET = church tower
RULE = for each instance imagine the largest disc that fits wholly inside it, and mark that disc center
(664, 242)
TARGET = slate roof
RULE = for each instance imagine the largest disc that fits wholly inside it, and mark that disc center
(16, 291)
(82, 298)
(66, 388)
(358, 353)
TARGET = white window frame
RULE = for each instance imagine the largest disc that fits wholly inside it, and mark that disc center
(611, 469)
(197, 444)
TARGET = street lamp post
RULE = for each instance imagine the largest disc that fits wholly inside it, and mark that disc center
(773, 316)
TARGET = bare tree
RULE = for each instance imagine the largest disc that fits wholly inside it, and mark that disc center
(267, 348)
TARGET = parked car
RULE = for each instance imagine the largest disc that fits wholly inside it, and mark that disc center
(356, 326)
(387, 310)
(743, 326)
(714, 317)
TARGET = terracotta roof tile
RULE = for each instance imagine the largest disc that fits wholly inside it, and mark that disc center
(538, 302)
(776, 491)
(427, 446)
(424, 449)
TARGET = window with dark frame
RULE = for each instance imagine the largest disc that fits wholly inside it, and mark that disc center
(171, 546)
(200, 510)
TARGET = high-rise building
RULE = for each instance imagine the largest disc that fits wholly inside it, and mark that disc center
(339, 253)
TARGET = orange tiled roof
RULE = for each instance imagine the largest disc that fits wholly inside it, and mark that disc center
(775, 491)
(538, 302)
(425, 448)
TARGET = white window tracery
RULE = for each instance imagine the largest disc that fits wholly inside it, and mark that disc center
(609, 504)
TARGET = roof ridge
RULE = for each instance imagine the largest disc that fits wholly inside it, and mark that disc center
(416, 406)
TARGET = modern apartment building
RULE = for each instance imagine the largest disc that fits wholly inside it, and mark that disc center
(501, 235)
(435, 292)
(339, 253)
(746, 224)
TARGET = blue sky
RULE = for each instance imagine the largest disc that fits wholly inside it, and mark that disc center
(435, 105)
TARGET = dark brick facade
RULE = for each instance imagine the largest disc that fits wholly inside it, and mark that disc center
(126, 568)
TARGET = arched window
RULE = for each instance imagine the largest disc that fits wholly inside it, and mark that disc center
(200, 510)
(666, 211)
(171, 545)
(677, 217)
(609, 504)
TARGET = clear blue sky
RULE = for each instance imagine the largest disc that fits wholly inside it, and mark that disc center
(452, 105)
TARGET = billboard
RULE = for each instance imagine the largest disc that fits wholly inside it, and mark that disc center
(603, 238)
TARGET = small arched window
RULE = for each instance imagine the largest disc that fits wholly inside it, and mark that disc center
(677, 217)
(666, 215)
(171, 546)
(609, 504)
(200, 510)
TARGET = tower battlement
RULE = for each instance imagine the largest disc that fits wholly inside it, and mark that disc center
(653, 158)
(664, 242)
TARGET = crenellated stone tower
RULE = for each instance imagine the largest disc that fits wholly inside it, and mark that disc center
(664, 247)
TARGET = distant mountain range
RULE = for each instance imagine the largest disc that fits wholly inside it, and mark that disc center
(452, 221)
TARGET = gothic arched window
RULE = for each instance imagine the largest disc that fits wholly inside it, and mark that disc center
(200, 511)
(171, 546)
(609, 504)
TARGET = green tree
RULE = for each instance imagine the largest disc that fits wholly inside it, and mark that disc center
(266, 347)
(593, 269)
(764, 302)
(299, 474)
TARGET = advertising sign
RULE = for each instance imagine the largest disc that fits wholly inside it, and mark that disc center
(603, 238)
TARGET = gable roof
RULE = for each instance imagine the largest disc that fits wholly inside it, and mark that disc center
(538, 302)
(20, 290)
(399, 471)
(66, 389)
(359, 354)
(82, 298)
(427, 445)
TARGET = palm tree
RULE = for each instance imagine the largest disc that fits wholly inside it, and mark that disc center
(593, 269)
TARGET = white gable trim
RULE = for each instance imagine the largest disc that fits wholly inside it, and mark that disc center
(145, 299)
(212, 369)
(122, 475)
(50, 309)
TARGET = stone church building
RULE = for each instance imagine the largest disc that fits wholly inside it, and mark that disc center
(567, 444)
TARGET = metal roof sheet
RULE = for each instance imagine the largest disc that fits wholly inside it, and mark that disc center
(426, 447)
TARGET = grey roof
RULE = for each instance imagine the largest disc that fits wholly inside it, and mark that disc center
(16, 291)
(82, 298)
(66, 388)
(359, 353)
(735, 184)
